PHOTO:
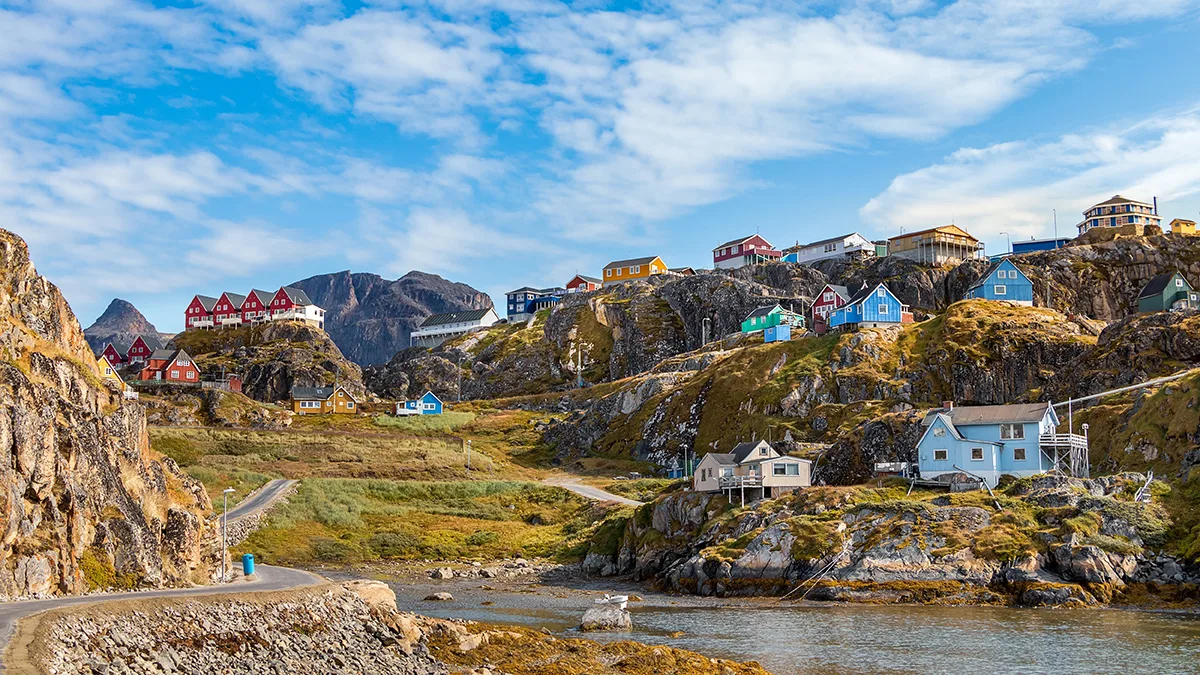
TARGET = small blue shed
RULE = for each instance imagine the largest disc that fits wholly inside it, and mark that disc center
(1003, 281)
(780, 333)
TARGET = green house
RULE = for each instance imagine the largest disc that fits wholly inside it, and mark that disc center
(1168, 290)
(771, 315)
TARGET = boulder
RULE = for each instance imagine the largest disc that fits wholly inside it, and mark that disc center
(606, 618)
(440, 597)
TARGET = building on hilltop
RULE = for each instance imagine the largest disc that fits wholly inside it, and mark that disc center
(852, 245)
(231, 310)
(438, 328)
(754, 467)
(429, 404)
(769, 316)
(1116, 211)
(744, 251)
(170, 365)
(871, 307)
(115, 353)
(583, 284)
(1169, 290)
(1003, 281)
(257, 306)
(828, 299)
(227, 313)
(526, 301)
(991, 441)
(1183, 226)
(620, 271)
(199, 312)
(142, 347)
(292, 304)
(948, 244)
(1035, 245)
(323, 401)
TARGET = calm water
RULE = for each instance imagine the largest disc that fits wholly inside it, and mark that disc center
(820, 638)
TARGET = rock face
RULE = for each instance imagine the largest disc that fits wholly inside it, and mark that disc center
(370, 318)
(606, 618)
(272, 358)
(121, 323)
(85, 501)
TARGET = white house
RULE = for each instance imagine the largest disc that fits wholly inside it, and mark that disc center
(751, 467)
(441, 327)
(853, 244)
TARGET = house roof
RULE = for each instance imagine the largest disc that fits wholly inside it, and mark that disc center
(735, 242)
(826, 241)
(907, 235)
(763, 311)
(122, 348)
(207, 302)
(162, 355)
(296, 295)
(682, 270)
(523, 289)
(236, 299)
(1118, 199)
(430, 393)
(992, 268)
(631, 261)
(312, 393)
(262, 295)
(991, 414)
(864, 292)
(151, 341)
(593, 280)
(742, 450)
(722, 457)
(455, 317)
(840, 290)
(1157, 284)
(181, 354)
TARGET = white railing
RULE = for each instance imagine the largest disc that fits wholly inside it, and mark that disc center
(130, 394)
(727, 482)
(1063, 441)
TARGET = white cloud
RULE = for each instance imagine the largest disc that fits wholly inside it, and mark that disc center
(1013, 187)
(443, 240)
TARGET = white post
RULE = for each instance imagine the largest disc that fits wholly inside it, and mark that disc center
(468, 456)
(224, 532)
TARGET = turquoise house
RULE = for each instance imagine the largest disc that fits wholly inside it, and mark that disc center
(770, 316)
(1003, 281)
(429, 404)
(871, 307)
(995, 440)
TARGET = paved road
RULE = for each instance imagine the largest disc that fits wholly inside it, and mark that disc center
(261, 499)
(593, 493)
(269, 579)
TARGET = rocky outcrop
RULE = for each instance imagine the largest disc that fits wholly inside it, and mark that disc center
(606, 618)
(85, 499)
(370, 318)
(120, 324)
(272, 358)
(184, 406)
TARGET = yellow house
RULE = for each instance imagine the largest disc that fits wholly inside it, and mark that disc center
(108, 372)
(620, 271)
(936, 246)
(1183, 226)
(323, 401)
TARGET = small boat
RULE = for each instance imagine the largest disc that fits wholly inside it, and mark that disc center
(621, 600)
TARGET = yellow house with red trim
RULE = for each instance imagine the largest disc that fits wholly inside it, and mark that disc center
(620, 271)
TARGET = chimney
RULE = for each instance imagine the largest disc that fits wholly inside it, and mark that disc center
(1156, 206)
(947, 405)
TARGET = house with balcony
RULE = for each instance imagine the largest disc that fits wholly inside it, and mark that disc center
(751, 471)
(872, 307)
(170, 365)
(227, 313)
(524, 302)
(945, 245)
(438, 328)
(256, 308)
(1117, 211)
(199, 312)
(852, 245)
(770, 316)
(1166, 291)
(744, 251)
(991, 441)
(292, 304)
(1003, 281)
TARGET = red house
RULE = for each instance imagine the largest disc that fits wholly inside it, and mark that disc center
(168, 365)
(744, 251)
(199, 312)
(293, 303)
(141, 349)
(228, 310)
(828, 299)
(582, 284)
(257, 306)
(114, 354)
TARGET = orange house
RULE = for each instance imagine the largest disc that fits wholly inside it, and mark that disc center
(620, 271)
(323, 401)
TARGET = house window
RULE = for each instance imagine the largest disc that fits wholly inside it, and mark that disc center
(1012, 432)
(976, 454)
(1000, 289)
(350, 405)
(636, 269)
(883, 309)
(1179, 283)
(1019, 454)
(940, 455)
(608, 273)
(174, 374)
(762, 451)
(191, 374)
(828, 297)
(881, 293)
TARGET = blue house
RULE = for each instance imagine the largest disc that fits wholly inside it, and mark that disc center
(1034, 245)
(995, 440)
(1003, 281)
(527, 301)
(429, 404)
(871, 307)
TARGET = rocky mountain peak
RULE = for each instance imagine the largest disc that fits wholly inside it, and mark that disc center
(121, 322)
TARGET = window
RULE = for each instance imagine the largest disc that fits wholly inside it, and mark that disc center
(1019, 454)
(350, 405)
(939, 432)
(191, 374)
(1012, 432)
(1130, 219)
(1000, 289)
(881, 293)
(1179, 283)
(174, 374)
(828, 296)
(830, 248)
(107, 370)
(883, 309)
(940, 455)
(778, 470)
(636, 269)
(976, 454)
(762, 451)
(608, 273)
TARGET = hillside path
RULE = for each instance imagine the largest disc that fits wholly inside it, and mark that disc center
(269, 578)
(262, 499)
(588, 491)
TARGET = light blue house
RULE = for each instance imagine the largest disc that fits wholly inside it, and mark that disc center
(995, 440)
(871, 307)
(1003, 281)
(429, 404)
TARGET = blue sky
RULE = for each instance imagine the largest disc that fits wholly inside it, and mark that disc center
(154, 150)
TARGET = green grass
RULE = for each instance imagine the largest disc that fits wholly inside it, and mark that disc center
(445, 423)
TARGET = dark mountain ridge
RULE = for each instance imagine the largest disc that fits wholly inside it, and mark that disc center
(120, 323)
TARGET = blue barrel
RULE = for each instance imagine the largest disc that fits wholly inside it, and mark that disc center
(248, 564)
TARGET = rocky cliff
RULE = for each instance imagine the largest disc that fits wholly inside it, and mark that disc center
(272, 358)
(370, 318)
(86, 503)
(121, 323)
(1042, 541)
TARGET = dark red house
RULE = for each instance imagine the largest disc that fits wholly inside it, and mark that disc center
(257, 306)
(828, 299)
(141, 349)
(581, 284)
(228, 309)
(744, 251)
(114, 354)
(199, 312)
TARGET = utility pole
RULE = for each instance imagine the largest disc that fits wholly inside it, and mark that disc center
(468, 456)
(460, 357)
(224, 532)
